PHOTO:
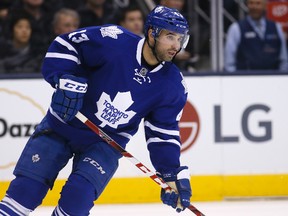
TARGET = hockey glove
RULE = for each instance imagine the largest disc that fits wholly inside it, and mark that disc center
(179, 196)
(67, 99)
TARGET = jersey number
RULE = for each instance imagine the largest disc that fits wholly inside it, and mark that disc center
(79, 36)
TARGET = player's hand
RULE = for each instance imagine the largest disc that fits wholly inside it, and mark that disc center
(179, 181)
(67, 99)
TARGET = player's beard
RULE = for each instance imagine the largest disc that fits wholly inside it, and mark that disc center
(164, 54)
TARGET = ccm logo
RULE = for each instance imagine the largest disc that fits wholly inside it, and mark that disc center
(71, 85)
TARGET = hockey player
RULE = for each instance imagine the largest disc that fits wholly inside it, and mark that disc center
(116, 79)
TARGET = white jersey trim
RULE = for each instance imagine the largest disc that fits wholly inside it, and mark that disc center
(139, 50)
(155, 139)
(127, 135)
(66, 44)
(139, 54)
(62, 56)
(164, 131)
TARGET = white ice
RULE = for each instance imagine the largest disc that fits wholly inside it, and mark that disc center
(225, 208)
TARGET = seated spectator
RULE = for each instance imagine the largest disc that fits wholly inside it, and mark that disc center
(65, 20)
(255, 43)
(132, 19)
(96, 12)
(4, 8)
(73, 4)
(41, 15)
(16, 54)
(186, 58)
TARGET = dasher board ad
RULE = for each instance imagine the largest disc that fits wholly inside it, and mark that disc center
(231, 125)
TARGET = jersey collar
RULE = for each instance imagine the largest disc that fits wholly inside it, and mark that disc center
(139, 53)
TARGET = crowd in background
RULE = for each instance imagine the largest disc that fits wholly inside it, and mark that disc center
(27, 27)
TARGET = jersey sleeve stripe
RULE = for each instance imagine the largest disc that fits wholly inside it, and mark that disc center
(157, 140)
(127, 135)
(66, 44)
(62, 56)
(163, 131)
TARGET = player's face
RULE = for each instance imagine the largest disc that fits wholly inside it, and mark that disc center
(168, 44)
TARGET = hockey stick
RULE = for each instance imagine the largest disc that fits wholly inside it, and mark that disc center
(126, 154)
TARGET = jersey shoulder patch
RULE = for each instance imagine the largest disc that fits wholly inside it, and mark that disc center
(111, 31)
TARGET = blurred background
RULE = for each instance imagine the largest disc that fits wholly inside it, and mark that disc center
(43, 20)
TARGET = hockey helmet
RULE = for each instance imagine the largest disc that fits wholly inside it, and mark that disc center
(169, 19)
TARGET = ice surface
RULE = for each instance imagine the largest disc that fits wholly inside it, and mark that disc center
(225, 208)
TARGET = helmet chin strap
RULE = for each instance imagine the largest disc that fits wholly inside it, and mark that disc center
(176, 54)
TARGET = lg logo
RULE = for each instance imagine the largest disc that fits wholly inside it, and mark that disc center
(265, 126)
(262, 132)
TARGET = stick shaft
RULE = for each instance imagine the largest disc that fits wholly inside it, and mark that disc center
(130, 157)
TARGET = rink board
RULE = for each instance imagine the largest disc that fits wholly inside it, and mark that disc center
(234, 135)
(205, 188)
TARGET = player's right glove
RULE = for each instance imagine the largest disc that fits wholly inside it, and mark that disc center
(178, 180)
(67, 99)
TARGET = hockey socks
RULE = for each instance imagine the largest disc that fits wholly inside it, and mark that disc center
(9, 207)
(77, 197)
(22, 197)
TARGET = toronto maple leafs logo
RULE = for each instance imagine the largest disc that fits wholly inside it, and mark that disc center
(113, 113)
(111, 31)
(35, 158)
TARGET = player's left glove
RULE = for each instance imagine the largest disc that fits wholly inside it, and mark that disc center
(179, 196)
(67, 99)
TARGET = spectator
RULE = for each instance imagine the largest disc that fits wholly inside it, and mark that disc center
(255, 43)
(73, 4)
(185, 59)
(17, 54)
(177, 4)
(41, 15)
(96, 12)
(4, 8)
(65, 20)
(132, 19)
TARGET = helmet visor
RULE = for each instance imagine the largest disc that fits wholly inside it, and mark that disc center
(174, 39)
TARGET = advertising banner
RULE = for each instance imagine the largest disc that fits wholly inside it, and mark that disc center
(230, 125)
(278, 11)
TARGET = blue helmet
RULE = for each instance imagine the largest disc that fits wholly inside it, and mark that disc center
(165, 18)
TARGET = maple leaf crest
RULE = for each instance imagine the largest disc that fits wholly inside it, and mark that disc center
(113, 113)
(111, 31)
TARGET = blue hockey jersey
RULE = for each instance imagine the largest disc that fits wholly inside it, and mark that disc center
(121, 91)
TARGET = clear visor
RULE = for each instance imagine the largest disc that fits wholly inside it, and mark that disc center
(179, 41)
